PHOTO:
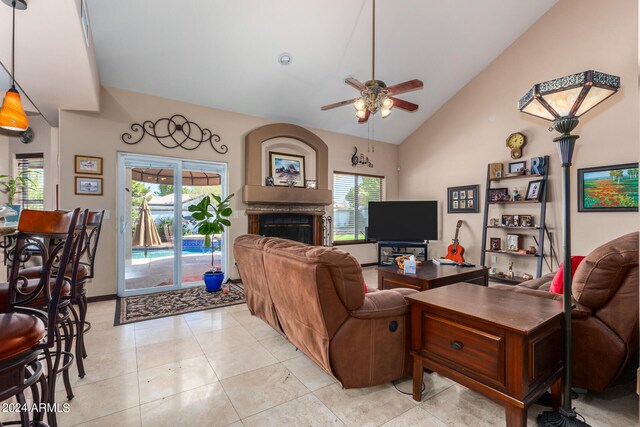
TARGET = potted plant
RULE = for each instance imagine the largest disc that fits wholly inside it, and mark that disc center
(211, 219)
(10, 185)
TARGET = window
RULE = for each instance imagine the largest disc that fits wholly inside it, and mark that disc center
(351, 196)
(31, 166)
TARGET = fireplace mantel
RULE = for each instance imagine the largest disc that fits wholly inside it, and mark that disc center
(260, 194)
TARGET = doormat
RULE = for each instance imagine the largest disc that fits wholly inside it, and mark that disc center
(171, 303)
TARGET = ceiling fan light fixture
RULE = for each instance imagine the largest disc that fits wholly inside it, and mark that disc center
(359, 104)
(361, 114)
(384, 112)
(387, 103)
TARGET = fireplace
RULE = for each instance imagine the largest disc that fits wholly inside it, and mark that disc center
(305, 227)
(298, 227)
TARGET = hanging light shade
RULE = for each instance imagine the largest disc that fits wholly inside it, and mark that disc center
(12, 115)
(569, 96)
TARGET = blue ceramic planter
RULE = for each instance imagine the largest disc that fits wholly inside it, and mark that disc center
(213, 280)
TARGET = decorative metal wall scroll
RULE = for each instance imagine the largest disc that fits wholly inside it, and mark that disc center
(326, 230)
(174, 132)
(360, 160)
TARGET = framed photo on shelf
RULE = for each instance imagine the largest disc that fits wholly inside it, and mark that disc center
(88, 186)
(463, 199)
(311, 183)
(88, 165)
(518, 167)
(534, 190)
(495, 244)
(495, 170)
(513, 242)
(526, 221)
(287, 170)
(608, 188)
(497, 194)
(507, 221)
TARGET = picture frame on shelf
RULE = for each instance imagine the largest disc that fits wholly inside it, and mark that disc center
(495, 170)
(268, 181)
(506, 221)
(608, 188)
(498, 194)
(513, 242)
(311, 183)
(463, 199)
(535, 190)
(88, 186)
(495, 244)
(518, 168)
(88, 165)
(287, 168)
(526, 220)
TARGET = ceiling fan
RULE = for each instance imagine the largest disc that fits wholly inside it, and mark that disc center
(375, 94)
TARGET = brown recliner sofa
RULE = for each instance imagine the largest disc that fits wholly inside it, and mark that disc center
(314, 296)
(605, 315)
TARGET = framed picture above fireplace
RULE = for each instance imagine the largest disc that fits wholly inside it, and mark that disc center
(287, 170)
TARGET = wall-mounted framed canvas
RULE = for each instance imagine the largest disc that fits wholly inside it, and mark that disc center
(463, 199)
(287, 170)
(88, 186)
(608, 188)
(88, 165)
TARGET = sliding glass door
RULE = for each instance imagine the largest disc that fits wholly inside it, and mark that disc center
(158, 245)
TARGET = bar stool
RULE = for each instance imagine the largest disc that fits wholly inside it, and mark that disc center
(23, 329)
(83, 272)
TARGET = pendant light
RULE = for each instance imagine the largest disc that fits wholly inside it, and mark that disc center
(12, 115)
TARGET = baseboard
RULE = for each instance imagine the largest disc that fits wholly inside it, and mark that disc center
(102, 298)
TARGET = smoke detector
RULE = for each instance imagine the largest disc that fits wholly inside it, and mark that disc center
(285, 58)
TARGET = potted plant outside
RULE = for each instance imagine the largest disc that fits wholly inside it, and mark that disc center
(212, 214)
(10, 185)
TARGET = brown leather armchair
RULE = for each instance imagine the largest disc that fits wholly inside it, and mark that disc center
(605, 315)
(314, 296)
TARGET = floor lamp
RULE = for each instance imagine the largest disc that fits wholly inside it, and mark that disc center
(563, 101)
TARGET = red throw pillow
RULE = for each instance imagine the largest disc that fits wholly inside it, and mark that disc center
(365, 287)
(557, 285)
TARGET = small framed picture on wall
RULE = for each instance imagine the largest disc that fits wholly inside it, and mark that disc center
(88, 186)
(88, 165)
(463, 199)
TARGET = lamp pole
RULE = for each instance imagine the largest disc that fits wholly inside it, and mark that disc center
(566, 143)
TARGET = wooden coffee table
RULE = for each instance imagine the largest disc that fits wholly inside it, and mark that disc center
(430, 276)
(505, 345)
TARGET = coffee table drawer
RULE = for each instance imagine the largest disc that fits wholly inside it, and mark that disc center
(465, 348)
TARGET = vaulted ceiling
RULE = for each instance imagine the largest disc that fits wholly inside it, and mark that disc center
(224, 54)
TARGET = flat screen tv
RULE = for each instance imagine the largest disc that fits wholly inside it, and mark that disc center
(403, 221)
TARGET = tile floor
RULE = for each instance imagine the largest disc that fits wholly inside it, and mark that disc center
(224, 367)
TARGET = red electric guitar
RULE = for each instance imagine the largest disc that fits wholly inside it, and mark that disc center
(455, 251)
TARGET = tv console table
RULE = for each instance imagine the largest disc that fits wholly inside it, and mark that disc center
(507, 346)
(396, 244)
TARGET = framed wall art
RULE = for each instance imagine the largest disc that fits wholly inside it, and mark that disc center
(608, 188)
(463, 199)
(88, 186)
(287, 170)
(88, 165)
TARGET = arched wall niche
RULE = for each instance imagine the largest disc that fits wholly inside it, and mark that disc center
(257, 143)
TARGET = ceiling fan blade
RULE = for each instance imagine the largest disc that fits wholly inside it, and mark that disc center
(365, 118)
(407, 86)
(355, 83)
(338, 104)
(404, 105)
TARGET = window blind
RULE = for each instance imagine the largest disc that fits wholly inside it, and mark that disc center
(31, 166)
(351, 196)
